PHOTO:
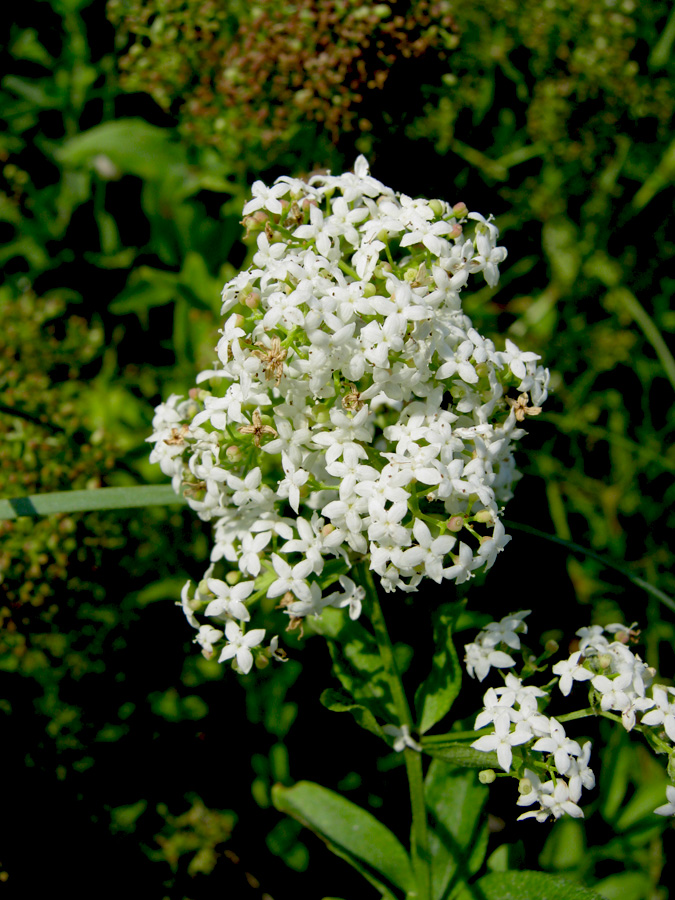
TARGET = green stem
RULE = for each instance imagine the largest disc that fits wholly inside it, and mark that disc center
(413, 759)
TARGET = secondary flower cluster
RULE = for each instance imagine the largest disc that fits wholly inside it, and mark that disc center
(620, 687)
(353, 411)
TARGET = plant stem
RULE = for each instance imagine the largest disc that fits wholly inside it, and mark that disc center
(413, 759)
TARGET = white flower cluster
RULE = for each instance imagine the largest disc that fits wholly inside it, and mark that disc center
(620, 686)
(353, 412)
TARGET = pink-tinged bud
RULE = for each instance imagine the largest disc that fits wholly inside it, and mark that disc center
(456, 230)
(327, 529)
(456, 523)
(460, 209)
(239, 321)
(253, 300)
(233, 453)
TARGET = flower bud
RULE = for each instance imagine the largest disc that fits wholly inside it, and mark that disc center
(233, 453)
(456, 523)
(460, 209)
(437, 207)
(484, 516)
(486, 776)
(525, 786)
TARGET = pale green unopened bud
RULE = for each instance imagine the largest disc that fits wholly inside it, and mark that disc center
(486, 776)
(551, 646)
(436, 206)
(525, 786)
(369, 290)
(261, 662)
(484, 516)
(604, 660)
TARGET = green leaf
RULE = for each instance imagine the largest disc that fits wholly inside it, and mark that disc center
(642, 805)
(458, 834)
(625, 886)
(336, 702)
(351, 832)
(526, 886)
(565, 846)
(436, 695)
(462, 756)
(130, 497)
(133, 145)
(357, 662)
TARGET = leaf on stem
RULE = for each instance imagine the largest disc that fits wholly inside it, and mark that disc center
(525, 886)
(458, 830)
(357, 662)
(351, 833)
(337, 702)
(462, 756)
(436, 695)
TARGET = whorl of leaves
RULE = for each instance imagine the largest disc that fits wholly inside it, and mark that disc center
(280, 65)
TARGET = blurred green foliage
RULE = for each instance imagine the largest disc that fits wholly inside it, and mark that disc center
(126, 147)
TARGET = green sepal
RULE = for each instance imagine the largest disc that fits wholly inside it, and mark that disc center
(351, 833)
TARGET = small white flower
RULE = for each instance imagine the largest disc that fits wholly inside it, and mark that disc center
(402, 738)
(570, 670)
(559, 745)
(240, 645)
(479, 660)
(228, 600)
(503, 740)
(669, 808)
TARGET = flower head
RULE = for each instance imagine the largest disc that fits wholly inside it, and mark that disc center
(353, 410)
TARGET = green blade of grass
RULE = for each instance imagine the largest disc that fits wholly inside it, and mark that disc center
(86, 501)
(577, 548)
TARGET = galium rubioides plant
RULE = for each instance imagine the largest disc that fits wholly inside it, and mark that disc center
(354, 436)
